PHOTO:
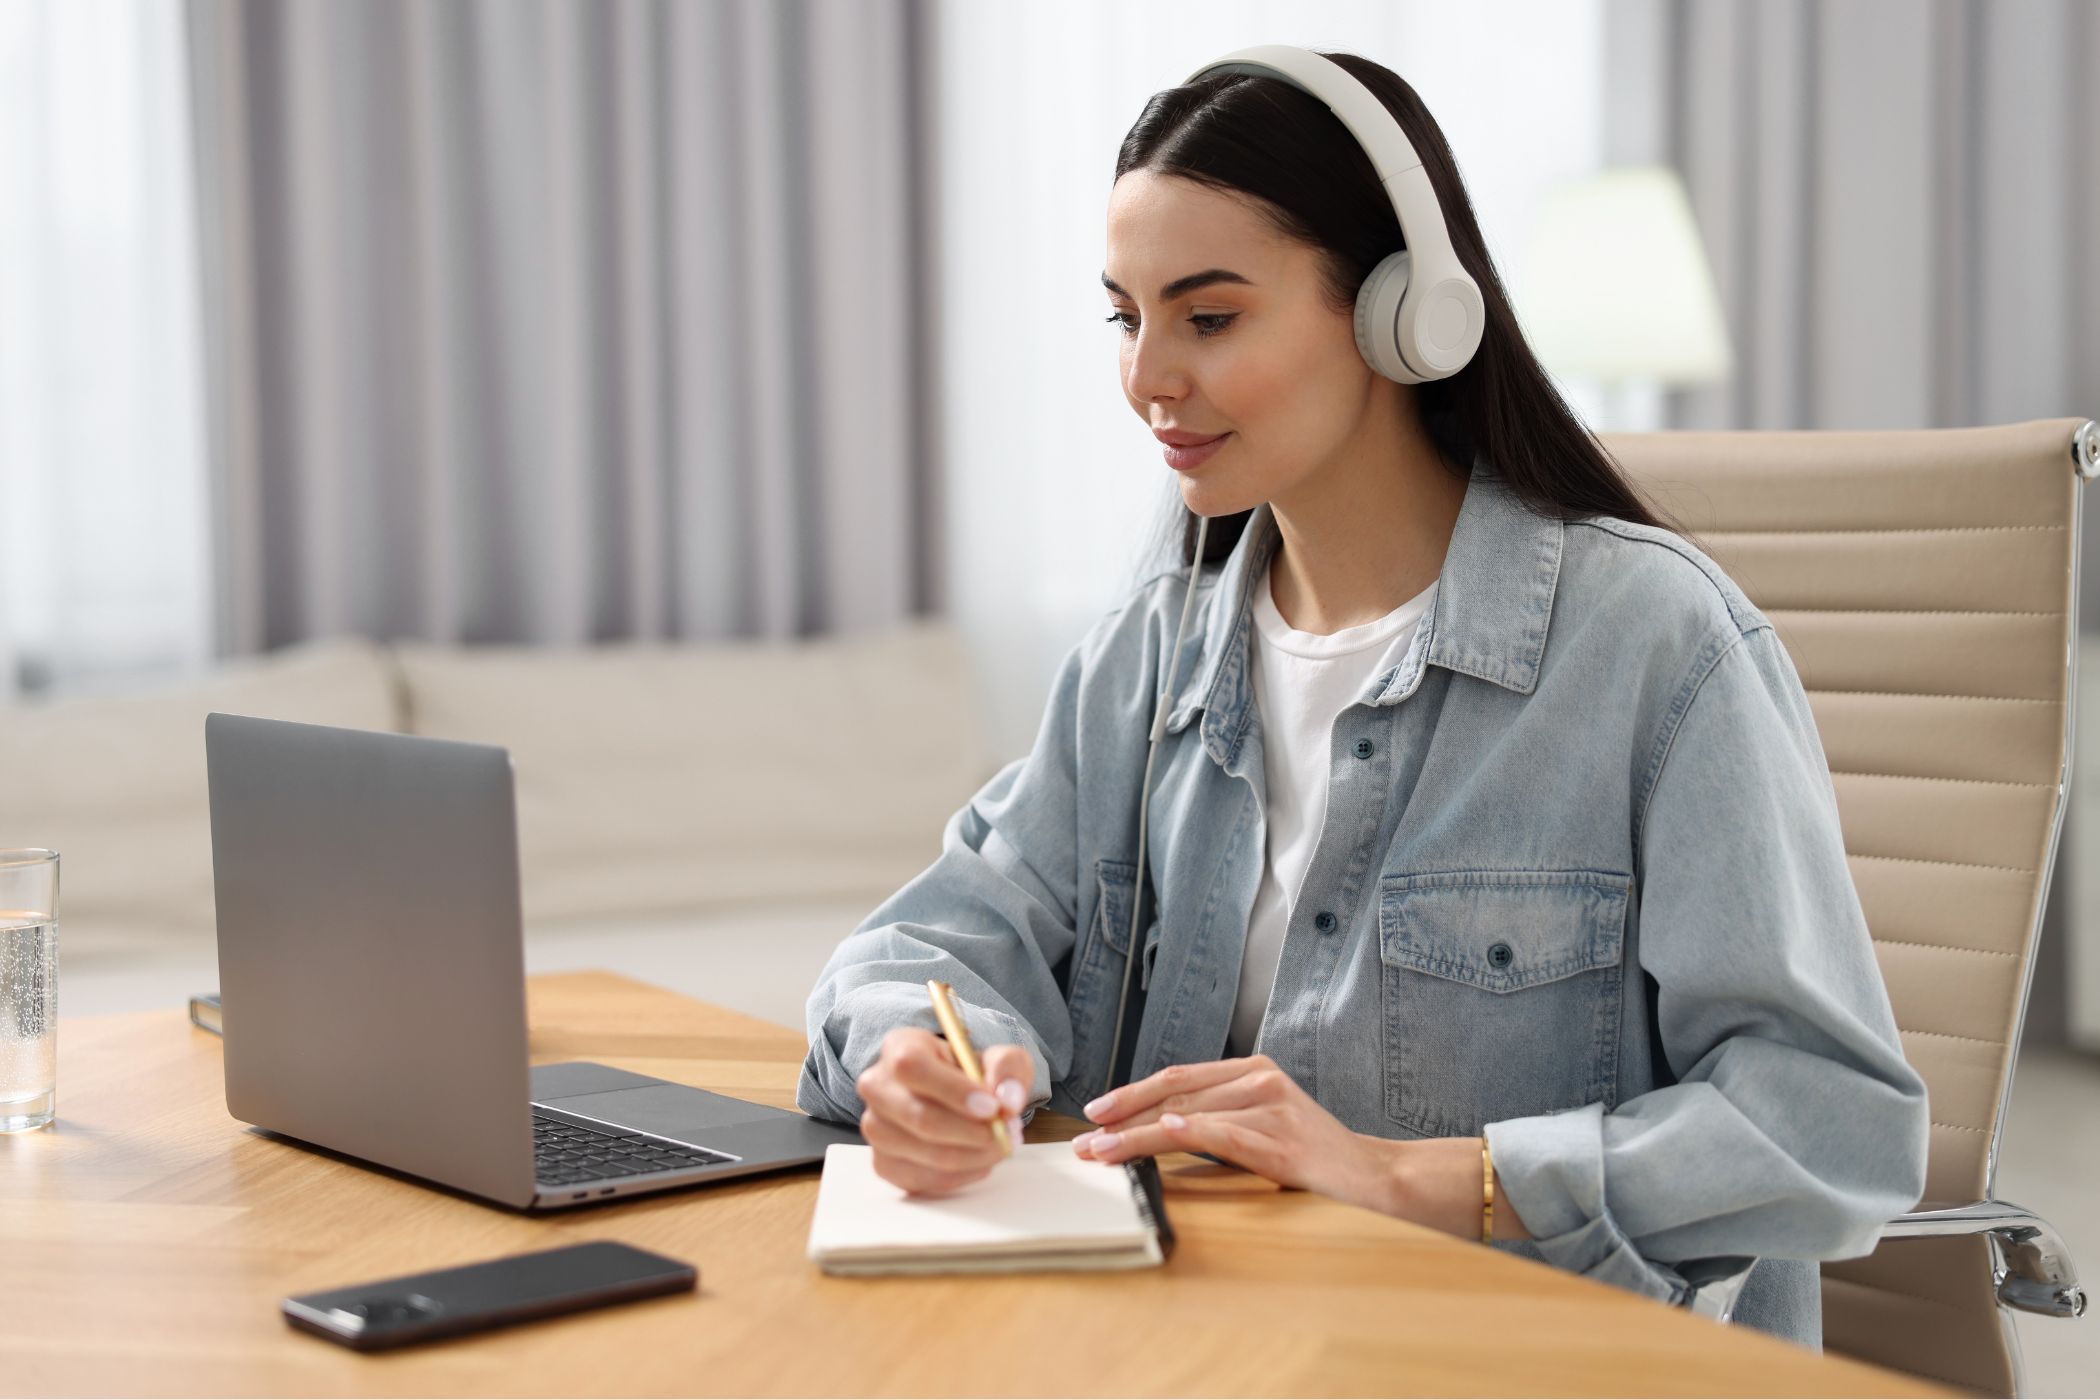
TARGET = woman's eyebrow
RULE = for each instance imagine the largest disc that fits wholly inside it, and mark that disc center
(1182, 286)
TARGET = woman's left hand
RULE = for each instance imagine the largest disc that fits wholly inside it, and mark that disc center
(1247, 1111)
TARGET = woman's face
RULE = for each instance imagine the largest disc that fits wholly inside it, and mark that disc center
(1257, 353)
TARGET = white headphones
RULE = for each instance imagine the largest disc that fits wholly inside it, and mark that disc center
(1418, 315)
(1411, 326)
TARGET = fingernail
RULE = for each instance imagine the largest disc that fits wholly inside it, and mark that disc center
(1079, 1143)
(1013, 1132)
(983, 1104)
(1012, 1094)
(1099, 1107)
(1172, 1120)
(1107, 1142)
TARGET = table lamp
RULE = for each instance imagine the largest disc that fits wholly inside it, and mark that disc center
(1618, 289)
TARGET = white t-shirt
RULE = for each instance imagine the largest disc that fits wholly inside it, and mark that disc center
(1302, 681)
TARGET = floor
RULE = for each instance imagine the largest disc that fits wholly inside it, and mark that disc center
(2049, 1162)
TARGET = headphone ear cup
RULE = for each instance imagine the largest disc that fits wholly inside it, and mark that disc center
(1377, 317)
(1443, 325)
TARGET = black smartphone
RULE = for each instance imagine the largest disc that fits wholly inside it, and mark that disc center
(394, 1312)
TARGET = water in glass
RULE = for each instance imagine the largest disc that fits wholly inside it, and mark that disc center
(28, 1021)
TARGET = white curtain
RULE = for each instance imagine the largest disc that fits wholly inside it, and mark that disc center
(1053, 484)
(102, 493)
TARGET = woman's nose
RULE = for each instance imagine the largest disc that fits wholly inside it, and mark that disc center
(1154, 371)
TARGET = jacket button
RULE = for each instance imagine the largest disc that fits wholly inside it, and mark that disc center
(1501, 955)
(1364, 748)
(1324, 921)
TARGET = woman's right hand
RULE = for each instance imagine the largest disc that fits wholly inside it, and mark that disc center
(929, 1123)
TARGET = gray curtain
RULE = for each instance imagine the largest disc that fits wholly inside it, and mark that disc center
(552, 321)
(1901, 201)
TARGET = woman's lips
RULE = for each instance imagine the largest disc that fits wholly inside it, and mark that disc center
(1184, 459)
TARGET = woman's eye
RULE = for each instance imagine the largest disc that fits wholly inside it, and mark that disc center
(1205, 325)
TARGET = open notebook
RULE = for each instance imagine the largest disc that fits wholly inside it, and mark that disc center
(1042, 1208)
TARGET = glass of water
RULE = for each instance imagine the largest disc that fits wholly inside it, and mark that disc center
(28, 989)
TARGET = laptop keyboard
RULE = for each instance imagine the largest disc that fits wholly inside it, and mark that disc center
(565, 1153)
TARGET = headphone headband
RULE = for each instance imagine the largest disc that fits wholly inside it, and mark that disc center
(1419, 314)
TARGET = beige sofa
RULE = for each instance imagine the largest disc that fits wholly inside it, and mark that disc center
(712, 818)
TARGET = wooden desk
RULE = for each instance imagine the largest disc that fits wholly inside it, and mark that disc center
(146, 1237)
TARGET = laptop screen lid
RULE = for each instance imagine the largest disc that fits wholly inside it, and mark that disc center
(371, 957)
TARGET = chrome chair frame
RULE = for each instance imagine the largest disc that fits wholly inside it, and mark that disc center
(2031, 1269)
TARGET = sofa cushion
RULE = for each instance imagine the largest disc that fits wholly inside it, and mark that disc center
(760, 959)
(116, 786)
(683, 777)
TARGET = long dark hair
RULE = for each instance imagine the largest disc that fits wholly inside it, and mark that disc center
(1252, 134)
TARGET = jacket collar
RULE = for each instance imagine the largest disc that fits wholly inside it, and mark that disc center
(1488, 617)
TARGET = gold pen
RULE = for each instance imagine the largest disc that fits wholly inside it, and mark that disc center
(965, 1053)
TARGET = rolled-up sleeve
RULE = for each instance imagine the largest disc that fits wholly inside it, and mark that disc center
(993, 916)
(1796, 1128)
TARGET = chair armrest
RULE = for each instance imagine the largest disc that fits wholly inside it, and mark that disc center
(1716, 1284)
(2037, 1276)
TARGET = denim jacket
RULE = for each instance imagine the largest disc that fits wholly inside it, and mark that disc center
(1581, 888)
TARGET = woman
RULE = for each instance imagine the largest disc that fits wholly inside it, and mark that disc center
(1490, 832)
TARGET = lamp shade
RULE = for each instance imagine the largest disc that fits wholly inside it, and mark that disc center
(1617, 285)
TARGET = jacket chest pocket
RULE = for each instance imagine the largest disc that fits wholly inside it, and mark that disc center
(1500, 994)
(1097, 978)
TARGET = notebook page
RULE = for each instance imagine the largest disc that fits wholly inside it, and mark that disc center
(1044, 1196)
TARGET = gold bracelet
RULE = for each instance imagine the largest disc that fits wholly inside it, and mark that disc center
(1487, 1193)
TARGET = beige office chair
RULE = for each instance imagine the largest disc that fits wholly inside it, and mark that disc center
(1925, 584)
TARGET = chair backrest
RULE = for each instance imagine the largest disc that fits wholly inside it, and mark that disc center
(1925, 584)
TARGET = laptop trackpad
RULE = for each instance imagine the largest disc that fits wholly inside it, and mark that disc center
(669, 1110)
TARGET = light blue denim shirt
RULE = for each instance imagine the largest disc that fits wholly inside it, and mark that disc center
(1581, 887)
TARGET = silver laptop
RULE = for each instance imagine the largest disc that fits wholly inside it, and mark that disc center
(372, 975)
